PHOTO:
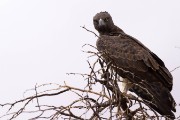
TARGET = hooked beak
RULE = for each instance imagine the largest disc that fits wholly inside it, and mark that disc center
(101, 22)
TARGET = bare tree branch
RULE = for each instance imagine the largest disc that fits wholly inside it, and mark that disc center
(175, 69)
(89, 30)
(100, 99)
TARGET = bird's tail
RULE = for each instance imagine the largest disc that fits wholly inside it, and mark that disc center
(157, 97)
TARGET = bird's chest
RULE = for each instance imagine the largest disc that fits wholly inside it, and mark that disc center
(114, 45)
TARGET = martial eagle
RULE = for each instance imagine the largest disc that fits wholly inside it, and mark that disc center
(151, 80)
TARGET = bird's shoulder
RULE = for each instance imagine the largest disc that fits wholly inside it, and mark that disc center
(122, 43)
(125, 47)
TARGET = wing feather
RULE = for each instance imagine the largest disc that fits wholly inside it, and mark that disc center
(129, 54)
(152, 80)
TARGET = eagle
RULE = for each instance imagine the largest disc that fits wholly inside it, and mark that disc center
(149, 77)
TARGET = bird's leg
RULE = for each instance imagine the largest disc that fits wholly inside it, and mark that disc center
(125, 85)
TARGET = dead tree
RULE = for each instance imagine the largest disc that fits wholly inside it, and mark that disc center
(100, 99)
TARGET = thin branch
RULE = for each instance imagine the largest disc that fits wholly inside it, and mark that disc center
(101, 98)
(175, 69)
(89, 31)
(37, 99)
(33, 97)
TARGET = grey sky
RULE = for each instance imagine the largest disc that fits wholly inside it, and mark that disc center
(41, 40)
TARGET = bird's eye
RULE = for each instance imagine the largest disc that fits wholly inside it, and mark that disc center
(106, 19)
(95, 21)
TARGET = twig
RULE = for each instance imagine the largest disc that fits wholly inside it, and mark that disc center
(175, 69)
(105, 102)
(89, 31)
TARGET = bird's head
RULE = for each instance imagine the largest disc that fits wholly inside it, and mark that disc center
(103, 22)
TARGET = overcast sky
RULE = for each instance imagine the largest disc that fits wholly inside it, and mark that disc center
(41, 40)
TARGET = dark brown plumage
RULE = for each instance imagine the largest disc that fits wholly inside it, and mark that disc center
(151, 80)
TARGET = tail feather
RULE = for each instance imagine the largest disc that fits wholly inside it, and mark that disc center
(157, 97)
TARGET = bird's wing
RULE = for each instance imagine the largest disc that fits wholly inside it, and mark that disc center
(162, 68)
(151, 79)
(130, 54)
